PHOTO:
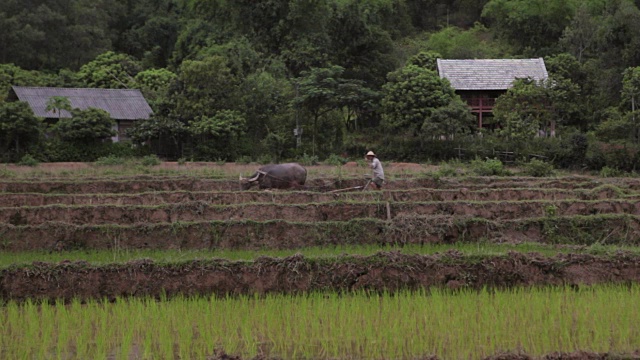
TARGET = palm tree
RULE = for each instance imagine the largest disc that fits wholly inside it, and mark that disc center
(57, 104)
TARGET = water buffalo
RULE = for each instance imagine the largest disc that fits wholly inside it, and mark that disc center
(276, 176)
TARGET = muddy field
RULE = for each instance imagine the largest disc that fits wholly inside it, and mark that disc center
(61, 212)
(189, 212)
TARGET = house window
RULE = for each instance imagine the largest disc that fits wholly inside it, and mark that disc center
(123, 126)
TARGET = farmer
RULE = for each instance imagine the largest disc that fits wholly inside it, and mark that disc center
(378, 173)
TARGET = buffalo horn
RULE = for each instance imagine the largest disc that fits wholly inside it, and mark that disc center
(255, 178)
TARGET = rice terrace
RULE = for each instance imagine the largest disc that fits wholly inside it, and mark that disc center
(174, 261)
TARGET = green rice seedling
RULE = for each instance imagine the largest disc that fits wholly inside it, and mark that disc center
(478, 249)
(404, 325)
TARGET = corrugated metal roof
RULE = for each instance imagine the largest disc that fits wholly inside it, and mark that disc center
(121, 104)
(490, 74)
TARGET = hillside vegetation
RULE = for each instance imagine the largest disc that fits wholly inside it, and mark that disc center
(231, 80)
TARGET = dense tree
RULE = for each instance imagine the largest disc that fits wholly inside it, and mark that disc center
(532, 26)
(425, 59)
(630, 99)
(579, 38)
(203, 87)
(446, 122)
(359, 42)
(85, 126)
(154, 84)
(213, 61)
(266, 97)
(410, 97)
(527, 109)
(147, 30)
(11, 75)
(20, 130)
(323, 90)
(217, 136)
(455, 43)
(53, 35)
(110, 71)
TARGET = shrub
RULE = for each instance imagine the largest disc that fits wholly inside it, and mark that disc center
(488, 167)
(150, 160)
(110, 160)
(610, 172)
(264, 159)
(56, 150)
(28, 160)
(335, 160)
(244, 159)
(308, 160)
(538, 168)
(451, 168)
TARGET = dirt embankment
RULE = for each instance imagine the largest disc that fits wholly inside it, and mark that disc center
(330, 211)
(281, 234)
(303, 197)
(127, 185)
(296, 274)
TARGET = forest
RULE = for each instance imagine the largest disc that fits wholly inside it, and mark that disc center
(237, 80)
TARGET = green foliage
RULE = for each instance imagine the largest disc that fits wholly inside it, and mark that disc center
(217, 136)
(308, 160)
(28, 160)
(150, 160)
(616, 126)
(488, 167)
(425, 59)
(526, 108)
(66, 34)
(455, 43)
(56, 104)
(608, 172)
(411, 95)
(451, 168)
(11, 75)
(56, 150)
(448, 121)
(244, 159)
(538, 168)
(154, 83)
(335, 160)
(85, 126)
(20, 130)
(203, 88)
(533, 25)
(625, 157)
(275, 144)
(110, 70)
(551, 210)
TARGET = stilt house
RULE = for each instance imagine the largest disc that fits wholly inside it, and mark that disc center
(479, 82)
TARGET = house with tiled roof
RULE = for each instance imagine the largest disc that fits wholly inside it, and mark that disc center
(480, 81)
(125, 106)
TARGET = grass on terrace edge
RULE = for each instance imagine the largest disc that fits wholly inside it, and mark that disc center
(102, 257)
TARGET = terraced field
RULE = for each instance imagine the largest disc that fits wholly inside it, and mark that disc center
(586, 231)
